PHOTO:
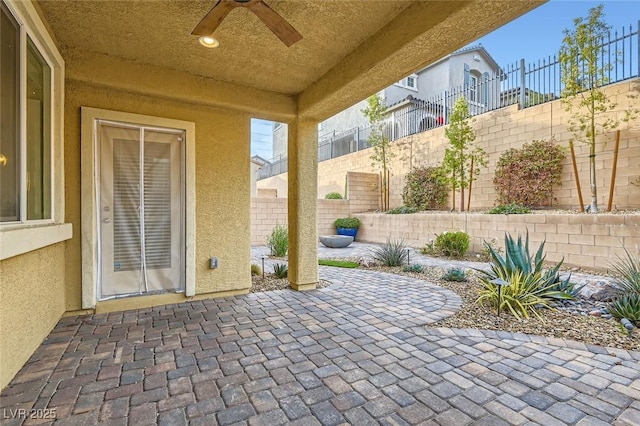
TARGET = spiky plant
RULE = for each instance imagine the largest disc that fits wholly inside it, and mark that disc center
(529, 284)
(280, 270)
(626, 306)
(391, 253)
(627, 269)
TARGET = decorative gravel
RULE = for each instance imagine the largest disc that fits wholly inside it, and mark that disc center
(270, 283)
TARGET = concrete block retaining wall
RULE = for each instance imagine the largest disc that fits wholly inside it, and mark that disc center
(496, 132)
(583, 240)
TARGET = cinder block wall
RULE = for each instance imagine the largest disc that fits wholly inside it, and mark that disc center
(589, 241)
(267, 212)
(363, 193)
(496, 132)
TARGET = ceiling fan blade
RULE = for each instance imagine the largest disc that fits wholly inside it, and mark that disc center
(212, 20)
(276, 23)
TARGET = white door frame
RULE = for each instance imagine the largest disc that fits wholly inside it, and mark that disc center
(89, 224)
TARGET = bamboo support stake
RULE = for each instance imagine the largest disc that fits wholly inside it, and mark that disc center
(388, 189)
(470, 185)
(614, 170)
(381, 192)
(575, 173)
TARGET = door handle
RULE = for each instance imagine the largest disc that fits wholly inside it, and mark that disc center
(106, 220)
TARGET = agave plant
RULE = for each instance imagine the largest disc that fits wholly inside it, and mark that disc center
(391, 253)
(455, 274)
(530, 286)
(415, 268)
(626, 306)
(280, 270)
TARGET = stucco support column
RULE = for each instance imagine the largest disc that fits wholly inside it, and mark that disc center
(303, 197)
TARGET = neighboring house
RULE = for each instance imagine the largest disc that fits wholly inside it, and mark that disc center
(416, 103)
(257, 163)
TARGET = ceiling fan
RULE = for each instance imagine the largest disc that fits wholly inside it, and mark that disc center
(276, 23)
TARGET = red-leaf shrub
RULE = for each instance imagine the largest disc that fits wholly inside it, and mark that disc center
(527, 176)
(425, 188)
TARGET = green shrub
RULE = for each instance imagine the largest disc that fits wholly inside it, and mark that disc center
(255, 270)
(510, 209)
(278, 241)
(627, 269)
(391, 253)
(347, 222)
(455, 274)
(529, 285)
(403, 210)
(333, 196)
(425, 188)
(415, 268)
(527, 176)
(452, 244)
(280, 270)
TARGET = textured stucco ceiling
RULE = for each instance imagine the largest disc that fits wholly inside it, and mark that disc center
(348, 46)
(159, 33)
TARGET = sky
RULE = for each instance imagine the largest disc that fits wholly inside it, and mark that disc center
(532, 37)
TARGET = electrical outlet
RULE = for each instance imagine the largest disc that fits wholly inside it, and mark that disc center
(213, 263)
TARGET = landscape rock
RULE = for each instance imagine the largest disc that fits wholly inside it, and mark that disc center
(606, 293)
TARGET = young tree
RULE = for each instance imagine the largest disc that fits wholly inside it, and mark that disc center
(382, 155)
(583, 75)
(461, 155)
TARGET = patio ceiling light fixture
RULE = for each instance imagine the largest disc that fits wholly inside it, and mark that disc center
(276, 23)
(208, 41)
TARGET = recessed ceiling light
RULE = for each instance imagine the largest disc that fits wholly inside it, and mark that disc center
(209, 42)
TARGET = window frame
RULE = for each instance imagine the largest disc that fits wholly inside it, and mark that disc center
(415, 82)
(26, 35)
(24, 235)
(404, 83)
(473, 88)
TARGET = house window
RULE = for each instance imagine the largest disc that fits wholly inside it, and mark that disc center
(473, 88)
(25, 144)
(410, 82)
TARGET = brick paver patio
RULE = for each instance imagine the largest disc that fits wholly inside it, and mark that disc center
(358, 352)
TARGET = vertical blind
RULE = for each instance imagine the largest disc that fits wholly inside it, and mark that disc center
(127, 208)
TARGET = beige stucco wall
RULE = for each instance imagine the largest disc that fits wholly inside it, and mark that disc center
(587, 241)
(30, 304)
(496, 132)
(222, 174)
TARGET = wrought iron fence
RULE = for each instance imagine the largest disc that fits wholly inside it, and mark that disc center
(518, 83)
